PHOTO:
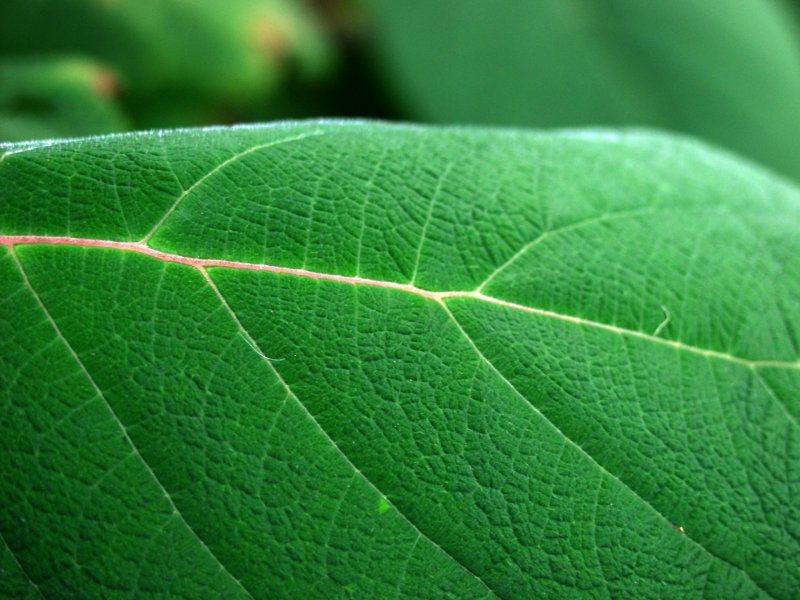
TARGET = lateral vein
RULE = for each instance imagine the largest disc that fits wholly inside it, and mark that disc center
(121, 426)
(21, 568)
(254, 346)
(182, 196)
(557, 231)
(578, 447)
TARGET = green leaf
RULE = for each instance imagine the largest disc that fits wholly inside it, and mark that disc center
(727, 71)
(56, 98)
(203, 55)
(352, 359)
(14, 583)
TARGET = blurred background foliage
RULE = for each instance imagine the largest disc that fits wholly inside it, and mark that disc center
(727, 71)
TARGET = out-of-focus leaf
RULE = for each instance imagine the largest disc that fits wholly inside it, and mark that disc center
(727, 70)
(57, 98)
(204, 51)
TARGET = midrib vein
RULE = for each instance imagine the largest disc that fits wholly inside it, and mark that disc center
(204, 263)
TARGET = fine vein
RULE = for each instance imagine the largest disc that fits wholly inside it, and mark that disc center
(119, 423)
(428, 217)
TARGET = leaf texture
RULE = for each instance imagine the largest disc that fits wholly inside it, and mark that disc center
(333, 359)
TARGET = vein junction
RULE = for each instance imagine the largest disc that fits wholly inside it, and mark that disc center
(204, 263)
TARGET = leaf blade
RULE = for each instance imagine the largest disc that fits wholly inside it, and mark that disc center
(464, 486)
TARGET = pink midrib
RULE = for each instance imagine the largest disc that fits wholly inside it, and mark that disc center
(203, 263)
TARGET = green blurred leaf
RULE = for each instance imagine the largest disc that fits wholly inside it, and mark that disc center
(449, 363)
(205, 54)
(727, 70)
(57, 98)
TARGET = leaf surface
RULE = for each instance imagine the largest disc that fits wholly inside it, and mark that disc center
(352, 359)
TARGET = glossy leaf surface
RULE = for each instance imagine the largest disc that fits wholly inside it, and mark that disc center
(353, 359)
